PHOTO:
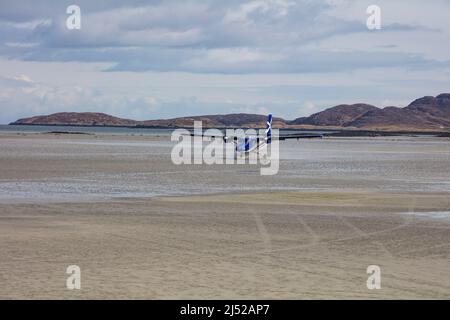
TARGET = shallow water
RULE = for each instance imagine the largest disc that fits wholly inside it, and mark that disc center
(84, 167)
(443, 215)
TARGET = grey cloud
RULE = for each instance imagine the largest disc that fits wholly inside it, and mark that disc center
(194, 36)
(236, 60)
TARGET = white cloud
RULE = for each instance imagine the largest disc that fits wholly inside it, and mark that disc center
(28, 25)
(37, 98)
(24, 78)
(276, 8)
(21, 44)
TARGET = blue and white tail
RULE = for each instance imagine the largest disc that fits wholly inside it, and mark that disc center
(269, 129)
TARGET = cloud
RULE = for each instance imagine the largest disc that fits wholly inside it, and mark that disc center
(164, 58)
(22, 97)
(23, 78)
(250, 11)
(19, 81)
(276, 36)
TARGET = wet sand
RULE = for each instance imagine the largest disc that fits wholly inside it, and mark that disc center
(310, 244)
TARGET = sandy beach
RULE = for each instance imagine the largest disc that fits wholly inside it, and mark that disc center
(313, 243)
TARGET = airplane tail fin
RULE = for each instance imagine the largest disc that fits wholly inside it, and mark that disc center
(269, 129)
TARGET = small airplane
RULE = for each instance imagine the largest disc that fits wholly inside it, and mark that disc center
(246, 144)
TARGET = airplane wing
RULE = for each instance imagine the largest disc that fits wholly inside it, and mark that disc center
(267, 137)
(279, 137)
(300, 136)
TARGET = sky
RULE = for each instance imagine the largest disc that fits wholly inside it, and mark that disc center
(161, 59)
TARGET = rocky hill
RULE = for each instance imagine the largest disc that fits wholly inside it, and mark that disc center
(336, 116)
(427, 113)
(100, 119)
(219, 121)
(77, 119)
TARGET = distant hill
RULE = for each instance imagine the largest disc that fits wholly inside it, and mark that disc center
(219, 121)
(100, 119)
(336, 116)
(77, 119)
(427, 113)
